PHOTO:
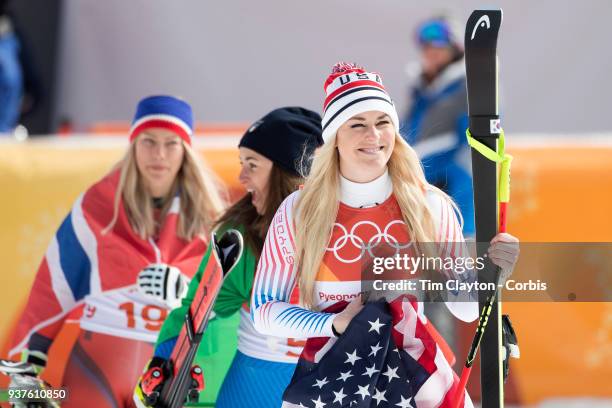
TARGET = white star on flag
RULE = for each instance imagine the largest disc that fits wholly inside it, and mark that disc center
(340, 395)
(320, 383)
(363, 391)
(375, 349)
(318, 403)
(375, 326)
(352, 357)
(345, 376)
(379, 396)
(391, 373)
(370, 371)
(404, 403)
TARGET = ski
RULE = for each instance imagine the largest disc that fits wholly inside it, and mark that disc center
(223, 258)
(482, 89)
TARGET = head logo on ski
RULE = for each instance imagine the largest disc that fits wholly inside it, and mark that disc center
(482, 22)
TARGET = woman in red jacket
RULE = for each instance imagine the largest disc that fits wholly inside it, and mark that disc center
(149, 216)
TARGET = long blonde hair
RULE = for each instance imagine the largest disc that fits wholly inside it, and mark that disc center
(202, 197)
(317, 207)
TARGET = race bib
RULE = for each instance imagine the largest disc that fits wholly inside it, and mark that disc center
(124, 313)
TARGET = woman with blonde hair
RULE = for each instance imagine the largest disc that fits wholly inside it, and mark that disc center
(275, 154)
(366, 185)
(145, 222)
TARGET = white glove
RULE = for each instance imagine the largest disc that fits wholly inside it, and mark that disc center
(163, 282)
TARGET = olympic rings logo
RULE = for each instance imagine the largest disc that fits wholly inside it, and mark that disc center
(360, 244)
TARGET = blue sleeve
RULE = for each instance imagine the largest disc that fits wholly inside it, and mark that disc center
(164, 349)
(462, 125)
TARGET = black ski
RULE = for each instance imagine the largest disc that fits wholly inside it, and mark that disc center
(481, 73)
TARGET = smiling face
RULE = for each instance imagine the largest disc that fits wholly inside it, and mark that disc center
(159, 156)
(365, 143)
(255, 172)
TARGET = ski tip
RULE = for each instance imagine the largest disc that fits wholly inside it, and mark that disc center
(483, 26)
(489, 11)
(231, 246)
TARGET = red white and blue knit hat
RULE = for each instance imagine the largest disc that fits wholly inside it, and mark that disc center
(162, 111)
(351, 90)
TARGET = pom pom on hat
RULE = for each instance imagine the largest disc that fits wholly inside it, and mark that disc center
(163, 111)
(351, 90)
(342, 68)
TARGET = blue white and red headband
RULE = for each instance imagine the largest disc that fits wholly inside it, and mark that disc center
(162, 111)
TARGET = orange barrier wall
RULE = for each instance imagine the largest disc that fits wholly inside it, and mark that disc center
(561, 193)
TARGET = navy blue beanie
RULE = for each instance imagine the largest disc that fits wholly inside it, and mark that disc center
(287, 136)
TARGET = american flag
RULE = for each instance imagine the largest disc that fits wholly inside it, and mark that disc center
(365, 367)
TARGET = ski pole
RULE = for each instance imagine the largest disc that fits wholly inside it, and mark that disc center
(482, 325)
(504, 197)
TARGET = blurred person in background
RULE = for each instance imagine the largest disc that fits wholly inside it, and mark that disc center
(153, 213)
(437, 118)
(435, 127)
(11, 77)
(275, 155)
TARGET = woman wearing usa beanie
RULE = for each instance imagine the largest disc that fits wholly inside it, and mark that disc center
(149, 216)
(275, 155)
(366, 185)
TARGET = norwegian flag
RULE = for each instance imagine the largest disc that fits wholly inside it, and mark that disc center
(82, 260)
(366, 368)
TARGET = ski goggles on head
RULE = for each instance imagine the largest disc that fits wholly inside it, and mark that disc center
(434, 33)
